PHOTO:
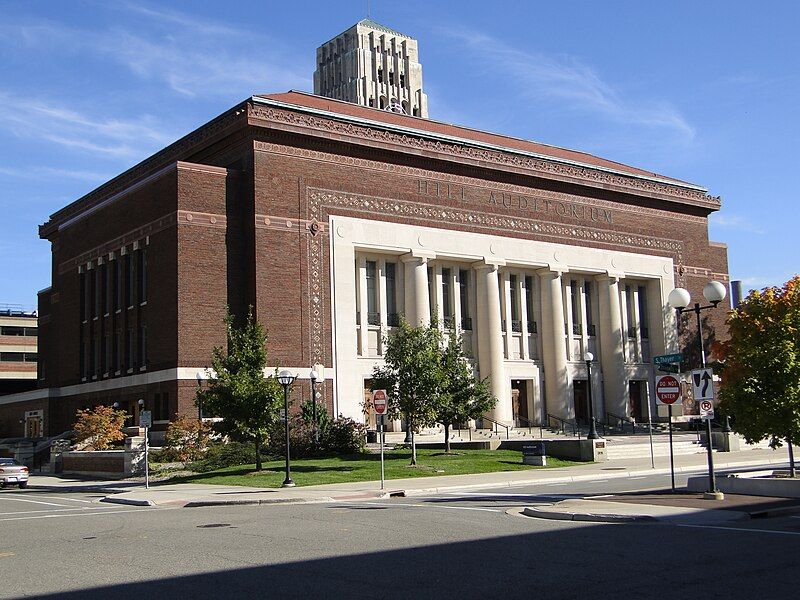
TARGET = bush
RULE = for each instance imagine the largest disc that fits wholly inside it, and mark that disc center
(187, 438)
(97, 428)
(345, 436)
(220, 455)
(338, 436)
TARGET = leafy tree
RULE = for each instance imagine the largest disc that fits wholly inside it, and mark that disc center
(761, 365)
(462, 395)
(187, 438)
(100, 426)
(248, 403)
(411, 376)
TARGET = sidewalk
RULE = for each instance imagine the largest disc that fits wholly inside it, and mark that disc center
(192, 495)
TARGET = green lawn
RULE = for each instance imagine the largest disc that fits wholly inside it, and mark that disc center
(366, 467)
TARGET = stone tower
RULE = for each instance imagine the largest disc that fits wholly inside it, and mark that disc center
(372, 65)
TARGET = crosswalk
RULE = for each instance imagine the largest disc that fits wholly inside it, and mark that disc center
(32, 504)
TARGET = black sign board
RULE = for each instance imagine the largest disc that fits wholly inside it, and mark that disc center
(533, 449)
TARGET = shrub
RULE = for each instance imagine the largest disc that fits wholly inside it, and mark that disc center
(219, 455)
(187, 438)
(338, 436)
(97, 428)
(345, 436)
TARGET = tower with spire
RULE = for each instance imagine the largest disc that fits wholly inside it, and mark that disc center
(372, 65)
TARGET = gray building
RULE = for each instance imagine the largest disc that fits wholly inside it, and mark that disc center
(372, 65)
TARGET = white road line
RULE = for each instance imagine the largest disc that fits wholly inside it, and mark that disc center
(741, 529)
(635, 478)
(52, 510)
(494, 510)
(48, 498)
(5, 497)
(94, 514)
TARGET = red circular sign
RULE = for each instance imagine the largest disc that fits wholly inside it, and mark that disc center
(379, 401)
(668, 389)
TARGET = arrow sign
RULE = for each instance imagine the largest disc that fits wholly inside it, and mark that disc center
(703, 384)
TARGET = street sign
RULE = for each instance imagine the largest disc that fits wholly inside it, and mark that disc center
(706, 409)
(146, 418)
(667, 368)
(379, 401)
(703, 384)
(668, 389)
(665, 359)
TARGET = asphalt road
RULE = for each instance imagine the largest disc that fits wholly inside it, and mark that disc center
(459, 545)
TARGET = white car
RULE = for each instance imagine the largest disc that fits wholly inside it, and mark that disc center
(13, 473)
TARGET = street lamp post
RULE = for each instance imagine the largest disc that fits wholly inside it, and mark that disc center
(313, 376)
(679, 299)
(593, 435)
(286, 378)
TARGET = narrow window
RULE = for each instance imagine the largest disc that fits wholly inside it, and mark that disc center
(463, 283)
(402, 80)
(391, 77)
(98, 291)
(391, 294)
(383, 102)
(380, 75)
(109, 360)
(629, 312)
(587, 291)
(82, 357)
(447, 297)
(643, 312)
(373, 316)
(142, 272)
(130, 349)
(105, 293)
(529, 304)
(574, 301)
(142, 346)
(118, 285)
(84, 305)
(103, 362)
(119, 351)
(371, 101)
(129, 279)
(93, 357)
(516, 324)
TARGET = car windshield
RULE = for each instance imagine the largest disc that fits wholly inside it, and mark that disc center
(8, 461)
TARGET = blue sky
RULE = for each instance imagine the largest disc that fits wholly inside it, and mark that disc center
(702, 91)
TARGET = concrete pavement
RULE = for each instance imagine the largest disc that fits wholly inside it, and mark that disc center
(193, 495)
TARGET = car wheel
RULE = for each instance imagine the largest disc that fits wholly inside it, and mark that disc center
(23, 485)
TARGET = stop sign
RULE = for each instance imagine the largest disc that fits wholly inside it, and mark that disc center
(668, 389)
(379, 401)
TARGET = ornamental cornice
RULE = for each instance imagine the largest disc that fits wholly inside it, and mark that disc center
(537, 166)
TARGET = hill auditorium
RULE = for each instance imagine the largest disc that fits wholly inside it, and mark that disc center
(331, 219)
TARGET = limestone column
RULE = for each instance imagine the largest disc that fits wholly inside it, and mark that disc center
(490, 345)
(554, 346)
(417, 296)
(612, 340)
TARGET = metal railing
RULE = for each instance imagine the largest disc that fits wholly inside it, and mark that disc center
(498, 424)
(516, 326)
(532, 327)
(618, 422)
(525, 422)
(563, 424)
(466, 323)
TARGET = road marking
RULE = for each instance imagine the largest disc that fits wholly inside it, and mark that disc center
(6, 554)
(635, 478)
(418, 505)
(85, 514)
(741, 529)
(5, 497)
(52, 510)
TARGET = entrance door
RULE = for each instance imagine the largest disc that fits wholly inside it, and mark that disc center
(33, 426)
(519, 402)
(635, 403)
(580, 394)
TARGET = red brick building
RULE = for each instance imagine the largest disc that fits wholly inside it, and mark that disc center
(331, 219)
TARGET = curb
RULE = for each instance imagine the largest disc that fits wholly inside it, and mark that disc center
(255, 502)
(128, 501)
(78, 488)
(591, 517)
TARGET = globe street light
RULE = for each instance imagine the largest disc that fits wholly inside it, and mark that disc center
(679, 299)
(313, 376)
(593, 435)
(286, 378)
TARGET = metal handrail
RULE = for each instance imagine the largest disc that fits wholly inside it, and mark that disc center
(622, 421)
(498, 424)
(564, 423)
(527, 422)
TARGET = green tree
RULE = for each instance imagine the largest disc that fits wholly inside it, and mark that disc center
(248, 403)
(462, 396)
(761, 365)
(99, 427)
(411, 376)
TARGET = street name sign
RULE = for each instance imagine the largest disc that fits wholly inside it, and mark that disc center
(379, 401)
(145, 418)
(666, 359)
(668, 368)
(668, 389)
(706, 409)
(703, 384)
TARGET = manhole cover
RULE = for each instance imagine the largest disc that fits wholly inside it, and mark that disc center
(210, 525)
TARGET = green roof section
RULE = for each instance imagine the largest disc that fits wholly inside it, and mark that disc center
(374, 25)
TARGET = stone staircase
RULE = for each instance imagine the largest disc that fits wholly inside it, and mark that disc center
(639, 447)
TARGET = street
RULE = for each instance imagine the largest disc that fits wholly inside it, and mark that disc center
(463, 544)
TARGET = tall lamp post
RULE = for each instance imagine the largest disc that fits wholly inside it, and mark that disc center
(286, 378)
(313, 376)
(680, 299)
(593, 435)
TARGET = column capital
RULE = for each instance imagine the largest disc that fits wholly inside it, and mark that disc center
(418, 255)
(489, 263)
(555, 270)
(612, 275)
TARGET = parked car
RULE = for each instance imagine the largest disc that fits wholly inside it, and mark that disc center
(13, 473)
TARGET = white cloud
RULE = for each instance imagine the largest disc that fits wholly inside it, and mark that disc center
(55, 174)
(571, 83)
(737, 222)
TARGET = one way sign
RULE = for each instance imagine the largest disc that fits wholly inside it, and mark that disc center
(703, 384)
